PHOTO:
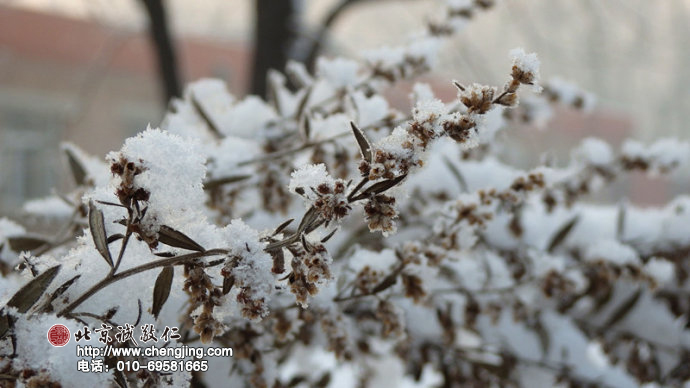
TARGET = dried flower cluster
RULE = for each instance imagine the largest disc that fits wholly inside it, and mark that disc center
(204, 296)
(332, 240)
(310, 268)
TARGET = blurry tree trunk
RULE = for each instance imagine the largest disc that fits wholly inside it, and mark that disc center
(274, 33)
(165, 52)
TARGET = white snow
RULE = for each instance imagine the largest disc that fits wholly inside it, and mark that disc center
(662, 154)
(339, 72)
(595, 354)
(247, 118)
(174, 171)
(568, 93)
(254, 268)
(51, 207)
(612, 251)
(311, 175)
(594, 151)
(527, 62)
(370, 110)
(459, 4)
(661, 270)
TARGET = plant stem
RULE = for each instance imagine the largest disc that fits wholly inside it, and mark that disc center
(280, 154)
(357, 188)
(110, 278)
(125, 240)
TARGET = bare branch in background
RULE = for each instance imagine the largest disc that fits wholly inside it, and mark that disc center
(320, 37)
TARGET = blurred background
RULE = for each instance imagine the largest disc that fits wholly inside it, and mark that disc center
(94, 72)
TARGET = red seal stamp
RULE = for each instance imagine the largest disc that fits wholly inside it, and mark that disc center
(58, 335)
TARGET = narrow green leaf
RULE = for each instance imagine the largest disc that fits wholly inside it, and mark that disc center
(161, 290)
(177, 239)
(315, 225)
(228, 282)
(328, 236)
(305, 127)
(61, 290)
(33, 290)
(309, 217)
(303, 104)
(78, 170)
(380, 187)
(623, 310)
(26, 243)
(283, 226)
(364, 145)
(282, 243)
(210, 123)
(562, 233)
(273, 86)
(100, 239)
(5, 324)
(620, 222)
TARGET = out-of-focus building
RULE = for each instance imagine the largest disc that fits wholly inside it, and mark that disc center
(73, 79)
(84, 71)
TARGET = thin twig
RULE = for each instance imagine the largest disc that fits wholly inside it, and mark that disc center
(110, 279)
(280, 154)
(125, 241)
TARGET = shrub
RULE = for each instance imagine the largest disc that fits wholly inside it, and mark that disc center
(331, 239)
